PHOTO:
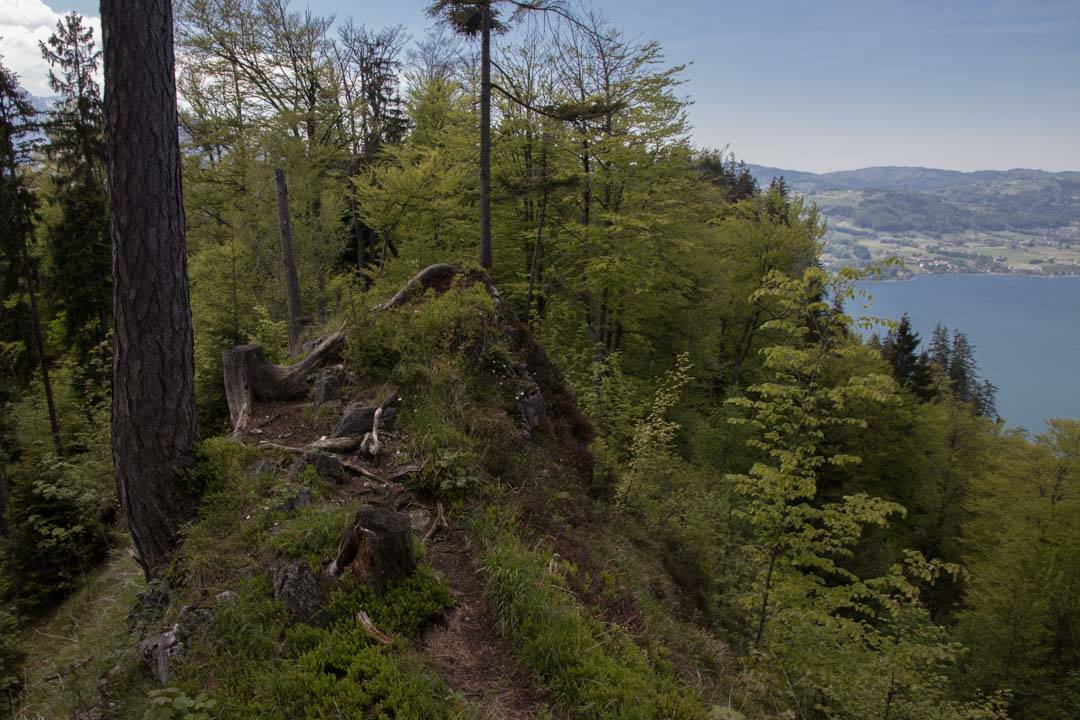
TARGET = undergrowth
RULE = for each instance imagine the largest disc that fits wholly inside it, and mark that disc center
(449, 359)
(259, 665)
(253, 661)
(591, 670)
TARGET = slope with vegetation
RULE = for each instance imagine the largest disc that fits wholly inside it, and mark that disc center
(644, 462)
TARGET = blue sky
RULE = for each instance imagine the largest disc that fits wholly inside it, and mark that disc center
(833, 85)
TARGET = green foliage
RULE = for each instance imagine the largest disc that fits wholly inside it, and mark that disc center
(591, 670)
(11, 657)
(447, 355)
(404, 608)
(264, 668)
(78, 238)
(653, 463)
(887, 658)
(173, 704)
(253, 661)
(1024, 559)
(57, 504)
(311, 533)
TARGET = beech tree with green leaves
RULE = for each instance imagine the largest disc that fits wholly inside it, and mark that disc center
(791, 413)
(1022, 541)
(887, 658)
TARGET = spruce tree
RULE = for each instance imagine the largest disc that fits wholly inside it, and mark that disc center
(78, 241)
(18, 210)
(940, 348)
(963, 373)
(900, 350)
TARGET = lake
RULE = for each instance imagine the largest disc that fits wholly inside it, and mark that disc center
(1026, 333)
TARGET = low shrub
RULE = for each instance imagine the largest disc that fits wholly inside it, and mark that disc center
(260, 666)
(11, 660)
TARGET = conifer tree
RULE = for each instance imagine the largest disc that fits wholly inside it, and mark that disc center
(153, 409)
(962, 369)
(78, 241)
(18, 208)
(941, 348)
(477, 18)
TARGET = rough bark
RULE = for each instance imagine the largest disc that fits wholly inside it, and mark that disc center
(377, 548)
(292, 280)
(249, 376)
(5, 529)
(485, 135)
(153, 410)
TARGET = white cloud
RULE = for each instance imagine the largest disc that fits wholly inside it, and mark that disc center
(23, 24)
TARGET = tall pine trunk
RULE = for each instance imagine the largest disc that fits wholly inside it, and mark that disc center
(485, 135)
(292, 280)
(153, 410)
(39, 350)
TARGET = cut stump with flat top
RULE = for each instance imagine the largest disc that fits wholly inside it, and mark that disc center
(377, 547)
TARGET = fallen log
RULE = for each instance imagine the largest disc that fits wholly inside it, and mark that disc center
(428, 277)
(249, 376)
(402, 471)
(337, 444)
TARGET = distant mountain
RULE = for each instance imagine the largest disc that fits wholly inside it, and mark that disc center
(929, 200)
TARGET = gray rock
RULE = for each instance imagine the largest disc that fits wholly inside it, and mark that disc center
(326, 466)
(301, 500)
(150, 605)
(226, 596)
(358, 419)
(328, 385)
(531, 402)
(164, 648)
(302, 594)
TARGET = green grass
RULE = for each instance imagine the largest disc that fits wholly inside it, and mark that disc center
(254, 663)
(590, 669)
(68, 650)
(253, 660)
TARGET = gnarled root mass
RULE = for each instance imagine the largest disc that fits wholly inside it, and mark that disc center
(249, 376)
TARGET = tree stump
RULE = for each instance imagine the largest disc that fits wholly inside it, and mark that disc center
(249, 376)
(377, 548)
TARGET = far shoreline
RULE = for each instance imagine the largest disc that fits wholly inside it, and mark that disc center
(970, 275)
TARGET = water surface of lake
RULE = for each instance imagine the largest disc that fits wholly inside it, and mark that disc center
(1026, 333)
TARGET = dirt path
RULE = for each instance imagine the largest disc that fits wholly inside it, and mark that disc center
(465, 649)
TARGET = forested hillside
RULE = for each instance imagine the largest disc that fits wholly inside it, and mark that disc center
(1013, 221)
(394, 377)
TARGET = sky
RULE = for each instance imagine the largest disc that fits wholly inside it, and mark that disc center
(807, 85)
